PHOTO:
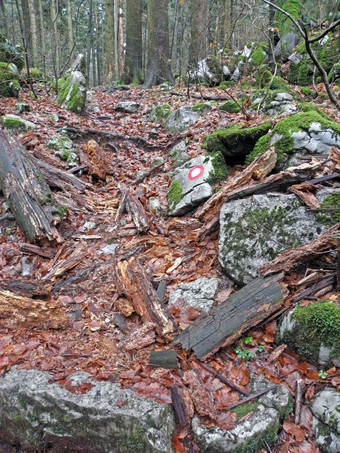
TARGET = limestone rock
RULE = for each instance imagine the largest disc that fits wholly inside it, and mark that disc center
(16, 123)
(180, 120)
(72, 88)
(250, 434)
(277, 104)
(9, 74)
(199, 294)
(64, 148)
(37, 414)
(255, 230)
(326, 420)
(127, 107)
(192, 183)
(154, 205)
(285, 46)
(22, 107)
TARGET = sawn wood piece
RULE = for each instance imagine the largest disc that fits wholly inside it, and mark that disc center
(225, 323)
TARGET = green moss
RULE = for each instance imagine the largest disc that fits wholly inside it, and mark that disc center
(9, 85)
(63, 87)
(201, 107)
(269, 437)
(231, 107)
(226, 84)
(277, 83)
(244, 409)
(260, 147)
(62, 212)
(174, 195)
(220, 171)
(235, 140)
(318, 323)
(136, 441)
(76, 102)
(259, 54)
(307, 91)
(15, 122)
(329, 212)
(309, 107)
(282, 22)
(160, 112)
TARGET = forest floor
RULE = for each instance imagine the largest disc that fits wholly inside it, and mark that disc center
(76, 276)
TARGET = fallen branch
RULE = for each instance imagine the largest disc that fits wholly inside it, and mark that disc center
(223, 378)
(251, 397)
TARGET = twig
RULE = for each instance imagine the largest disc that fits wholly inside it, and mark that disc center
(251, 397)
(223, 378)
(298, 400)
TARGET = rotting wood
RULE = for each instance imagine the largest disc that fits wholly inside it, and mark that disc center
(264, 163)
(306, 197)
(324, 283)
(289, 258)
(224, 324)
(178, 406)
(133, 282)
(276, 353)
(28, 195)
(139, 338)
(18, 311)
(164, 359)
(251, 397)
(139, 216)
(223, 378)
(298, 401)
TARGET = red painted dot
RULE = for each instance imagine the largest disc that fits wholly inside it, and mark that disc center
(196, 172)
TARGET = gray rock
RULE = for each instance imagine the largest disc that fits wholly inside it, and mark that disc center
(89, 226)
(109, 249)
(72, 94)
(180, 120)
(157, 162)
(285, 46)
(37, 414)
(127, 107)
(22, 107)
(26, 270)
(64, 148)
(16, 123)
(295, 58)
(154, 205)
(255, 230)
(281, 103)
(250, 434)
(199, 294)
(178, 154)
(326, 420)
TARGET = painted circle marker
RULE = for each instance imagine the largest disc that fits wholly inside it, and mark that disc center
(196, 172)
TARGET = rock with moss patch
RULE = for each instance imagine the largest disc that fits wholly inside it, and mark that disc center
(38, 414)
(72, 87)
(180, 120)
(257, 423)
(255, 230)
(299, 136)
(179, 155)
(275, 103)
(231, 106)
(201, 107)
(64, 148)
(314, 332)
(16, 123)
(235, 141)
(127, 107)
(9, 86)
(159, 113)
(286, 45)
(11, 53)
(326, 420)
(199, 293)
(22, 107)
(192, 183)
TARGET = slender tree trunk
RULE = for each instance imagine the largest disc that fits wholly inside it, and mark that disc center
(70, 30)
(198, 45)
(120, 38)
(89, 40)
(227, 24)
(110, 70)
(99, 32)
(3, 17)
(33, 21)
(55, 34)
(116, 38)
(41, 37)
(27, 31)
(133, 59)
(158, 67)
(271, 58)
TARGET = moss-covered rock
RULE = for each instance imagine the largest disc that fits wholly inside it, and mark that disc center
(72, 88)
(231, 106)
(64, 148)
(9, 85)
(201, 107)
(15, 123)
(35, 74)
(265, 79)
(314, 332)
(160, 113)
(235, 140)
(298, 135)
(11, 53)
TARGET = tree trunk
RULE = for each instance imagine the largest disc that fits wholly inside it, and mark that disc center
(133, 59)
(33, 21)
(227, 24)
(55, 34)
(26, 190)
(41, 36)
(70, 30)
(199, 25)
(89, 40)
(27, 31)
(158, 67)
(3, 17)
(109, 42)
(271, 57)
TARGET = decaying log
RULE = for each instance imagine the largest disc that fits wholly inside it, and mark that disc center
(305, 196)
(224, 324)
(26, 289)
(164, 359)
(139, 338)
(133, 282)
(18, 311)
(313, 290)
(26, 190)
(298, 400)
(135, 208)
(301, 254)
(260, 167)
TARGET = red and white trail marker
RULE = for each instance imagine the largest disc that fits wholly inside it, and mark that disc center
(195, 172)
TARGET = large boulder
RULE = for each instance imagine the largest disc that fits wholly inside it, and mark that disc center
(38, 414)
(286, 45)
(255, 230)
(9, 85)
(275, 102)
(314, 332)
(72, 87)
(300, 135)
(180, 120)
(257, 424)
(235, 141)
(192, 183)
(326, 420)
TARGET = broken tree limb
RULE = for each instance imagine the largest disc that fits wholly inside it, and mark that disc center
(287, 259)
(133, 282)
(27, 193)
(260, 167)
(224, 324)
(18, 311)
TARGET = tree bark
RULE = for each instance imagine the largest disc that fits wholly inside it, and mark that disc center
(158, 67)
(133, 59)
(26, 191)
(109, 42)
(224, 324)
(27, 31)
(198, 44)
(70, 30)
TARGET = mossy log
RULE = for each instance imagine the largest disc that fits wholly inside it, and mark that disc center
(224, 324)
(25, 189)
